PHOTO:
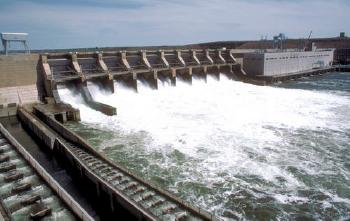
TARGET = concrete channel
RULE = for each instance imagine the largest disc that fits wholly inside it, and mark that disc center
(27, 191)
(43, 155)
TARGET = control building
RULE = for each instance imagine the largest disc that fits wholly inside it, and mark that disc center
(279, 63)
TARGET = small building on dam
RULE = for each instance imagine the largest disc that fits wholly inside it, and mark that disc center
(280, 63)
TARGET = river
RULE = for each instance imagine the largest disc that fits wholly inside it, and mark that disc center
(238, 150)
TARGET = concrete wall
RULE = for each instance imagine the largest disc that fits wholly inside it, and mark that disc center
(18, 70)
(18, 82)
(19, 95)
(253, 63)
(278, 63)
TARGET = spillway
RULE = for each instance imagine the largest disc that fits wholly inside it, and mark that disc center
(237, 150)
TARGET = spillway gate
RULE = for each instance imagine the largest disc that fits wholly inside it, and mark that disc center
(103, 68)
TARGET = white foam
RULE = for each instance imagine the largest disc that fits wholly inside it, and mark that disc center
(225, 127)
(221, 115)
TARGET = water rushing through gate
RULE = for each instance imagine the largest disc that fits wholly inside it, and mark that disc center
(235, 149)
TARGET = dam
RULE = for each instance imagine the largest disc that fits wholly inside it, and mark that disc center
(128, 67)
(60, 98)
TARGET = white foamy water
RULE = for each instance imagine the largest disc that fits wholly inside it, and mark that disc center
(239, 150)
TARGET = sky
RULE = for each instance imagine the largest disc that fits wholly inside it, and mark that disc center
(98, 23)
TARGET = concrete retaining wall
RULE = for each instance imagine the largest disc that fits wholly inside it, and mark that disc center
(18, 70)
(18, 82)
(19, 94)
(45, 135)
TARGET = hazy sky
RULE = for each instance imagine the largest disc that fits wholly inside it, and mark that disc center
(91, 23)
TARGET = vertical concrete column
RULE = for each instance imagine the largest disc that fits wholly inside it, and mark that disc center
(133, 81)
(207, 55)
(54, 92)
(220, 56)
(108, 81)
(185, 74)
(46, 67)
(153, 80)
(124, 60)
(179, 58)
(76, 67)
(47, 76)
(144, 59)
(217, 72)
(189, 76)
(173, 76)
(205, 73)
(194, 56)
(163, 59)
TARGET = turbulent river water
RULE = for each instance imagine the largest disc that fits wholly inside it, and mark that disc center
(240, 151)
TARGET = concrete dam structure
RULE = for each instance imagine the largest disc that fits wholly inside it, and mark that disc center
(35, 100)
(129, 66)
(29, 87)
